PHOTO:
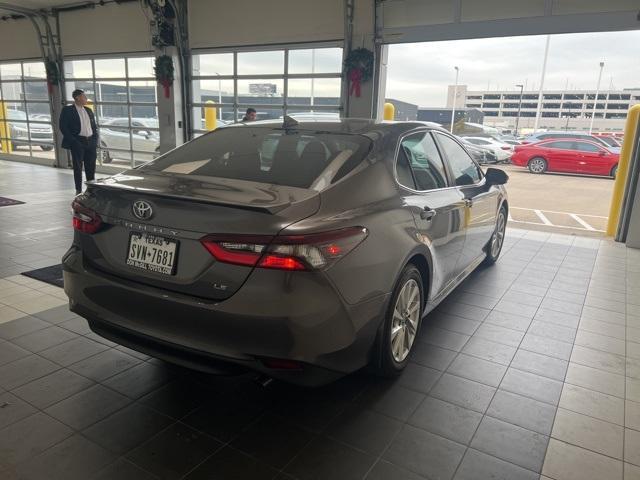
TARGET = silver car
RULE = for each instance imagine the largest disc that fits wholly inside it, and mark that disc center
(302, 250)
(115, 142)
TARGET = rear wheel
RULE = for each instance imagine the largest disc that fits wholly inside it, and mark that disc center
(46, 148)
(494, 247)
(614, 171)
(537, 165)
(402, 323)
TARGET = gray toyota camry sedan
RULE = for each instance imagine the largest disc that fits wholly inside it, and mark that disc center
(302, 250)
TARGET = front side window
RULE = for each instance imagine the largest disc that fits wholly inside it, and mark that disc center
(586, 147)
(422, 155)
(463, 168)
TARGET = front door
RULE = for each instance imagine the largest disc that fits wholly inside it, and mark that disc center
(480, 200)
(594, 160)
(437, 208)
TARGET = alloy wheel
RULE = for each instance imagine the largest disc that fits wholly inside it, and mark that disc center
(537, 165)
(406, 316)
(498, 235)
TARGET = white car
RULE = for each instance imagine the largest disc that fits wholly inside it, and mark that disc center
(502, 150)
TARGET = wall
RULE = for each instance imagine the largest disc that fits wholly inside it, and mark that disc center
(18, 40)
(429, 20)
(219, 23)
(108, 29)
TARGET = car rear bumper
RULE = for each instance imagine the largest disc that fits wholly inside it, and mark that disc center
(275, 315)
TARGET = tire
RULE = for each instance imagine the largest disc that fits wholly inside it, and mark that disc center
(494, 247)
(614, 171)
(104, 154)
(537, 165)
(46, 148)
(398, 331)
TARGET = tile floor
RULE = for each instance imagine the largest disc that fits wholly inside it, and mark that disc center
(530, 370)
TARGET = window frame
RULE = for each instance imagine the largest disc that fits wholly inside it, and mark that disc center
(25, 101)
(284, 105)
(127, 103)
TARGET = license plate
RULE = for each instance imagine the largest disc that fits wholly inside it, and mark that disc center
(152, 253)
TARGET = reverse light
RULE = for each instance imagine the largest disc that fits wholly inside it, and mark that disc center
(84, 219)
(292, 252)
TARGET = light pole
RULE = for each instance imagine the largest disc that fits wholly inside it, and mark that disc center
(595, 101)
(455, 96)
(519, 108)
(540, 94)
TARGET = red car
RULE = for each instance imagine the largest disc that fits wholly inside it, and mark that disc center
(568, 156)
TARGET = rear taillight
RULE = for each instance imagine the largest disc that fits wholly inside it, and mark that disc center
(293, 252)
(85, 220)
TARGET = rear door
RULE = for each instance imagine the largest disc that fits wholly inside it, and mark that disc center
(480, 199)
(437, 208)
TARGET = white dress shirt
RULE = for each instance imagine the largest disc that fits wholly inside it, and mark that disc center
(85, 122)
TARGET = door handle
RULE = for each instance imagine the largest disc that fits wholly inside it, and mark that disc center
(427, 214)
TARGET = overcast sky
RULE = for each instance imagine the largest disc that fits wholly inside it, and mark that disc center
(420, 72)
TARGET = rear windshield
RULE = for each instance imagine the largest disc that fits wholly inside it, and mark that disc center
(295, 158)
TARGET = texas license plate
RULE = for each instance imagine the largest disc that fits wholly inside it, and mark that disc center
(152, 253)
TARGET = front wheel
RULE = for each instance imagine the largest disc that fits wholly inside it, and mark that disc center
(104, 154)
(614, 171)
(402, 323)
(537, 165)
(494, 247)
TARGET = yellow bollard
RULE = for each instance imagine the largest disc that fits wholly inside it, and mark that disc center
(210, 120)
(5, 130)
(389, 111)
(630, 129)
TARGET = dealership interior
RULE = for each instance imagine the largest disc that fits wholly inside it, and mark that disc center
(528, 369)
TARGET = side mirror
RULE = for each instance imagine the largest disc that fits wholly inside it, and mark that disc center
(495, 176)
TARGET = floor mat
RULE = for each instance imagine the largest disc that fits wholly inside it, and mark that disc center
(51, 275)
(5, 202)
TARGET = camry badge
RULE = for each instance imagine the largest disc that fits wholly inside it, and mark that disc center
(142, 210)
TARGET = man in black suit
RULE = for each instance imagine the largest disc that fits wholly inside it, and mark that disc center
(80, 135)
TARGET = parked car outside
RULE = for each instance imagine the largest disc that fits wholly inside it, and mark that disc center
(482, 155)
(568, 156)
(502, 150)
(537, 137)
(303, 266)
(115, 141)
(25, 134)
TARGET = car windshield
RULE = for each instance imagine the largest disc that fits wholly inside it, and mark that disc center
(294, 158)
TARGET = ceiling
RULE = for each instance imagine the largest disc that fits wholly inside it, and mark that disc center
(40, 4)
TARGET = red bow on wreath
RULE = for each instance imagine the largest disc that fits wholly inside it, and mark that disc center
(355, 77)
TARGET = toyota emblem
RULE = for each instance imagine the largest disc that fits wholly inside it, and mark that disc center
(142, 210)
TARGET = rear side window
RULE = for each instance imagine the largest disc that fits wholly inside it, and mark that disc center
(294, 158)
(562, 145)
(464, 170)
(426, 165)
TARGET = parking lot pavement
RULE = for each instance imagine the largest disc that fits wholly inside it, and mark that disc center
(558, 202)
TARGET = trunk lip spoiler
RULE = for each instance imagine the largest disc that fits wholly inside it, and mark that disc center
(274, 209)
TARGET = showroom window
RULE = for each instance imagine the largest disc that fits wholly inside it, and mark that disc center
(25, 114)
(301, 81)
(122, 92)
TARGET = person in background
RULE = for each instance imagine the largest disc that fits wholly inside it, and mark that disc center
(250, 115)
(80, 136)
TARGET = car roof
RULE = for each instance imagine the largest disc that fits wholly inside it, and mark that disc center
(360, 126)
(579, 140)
